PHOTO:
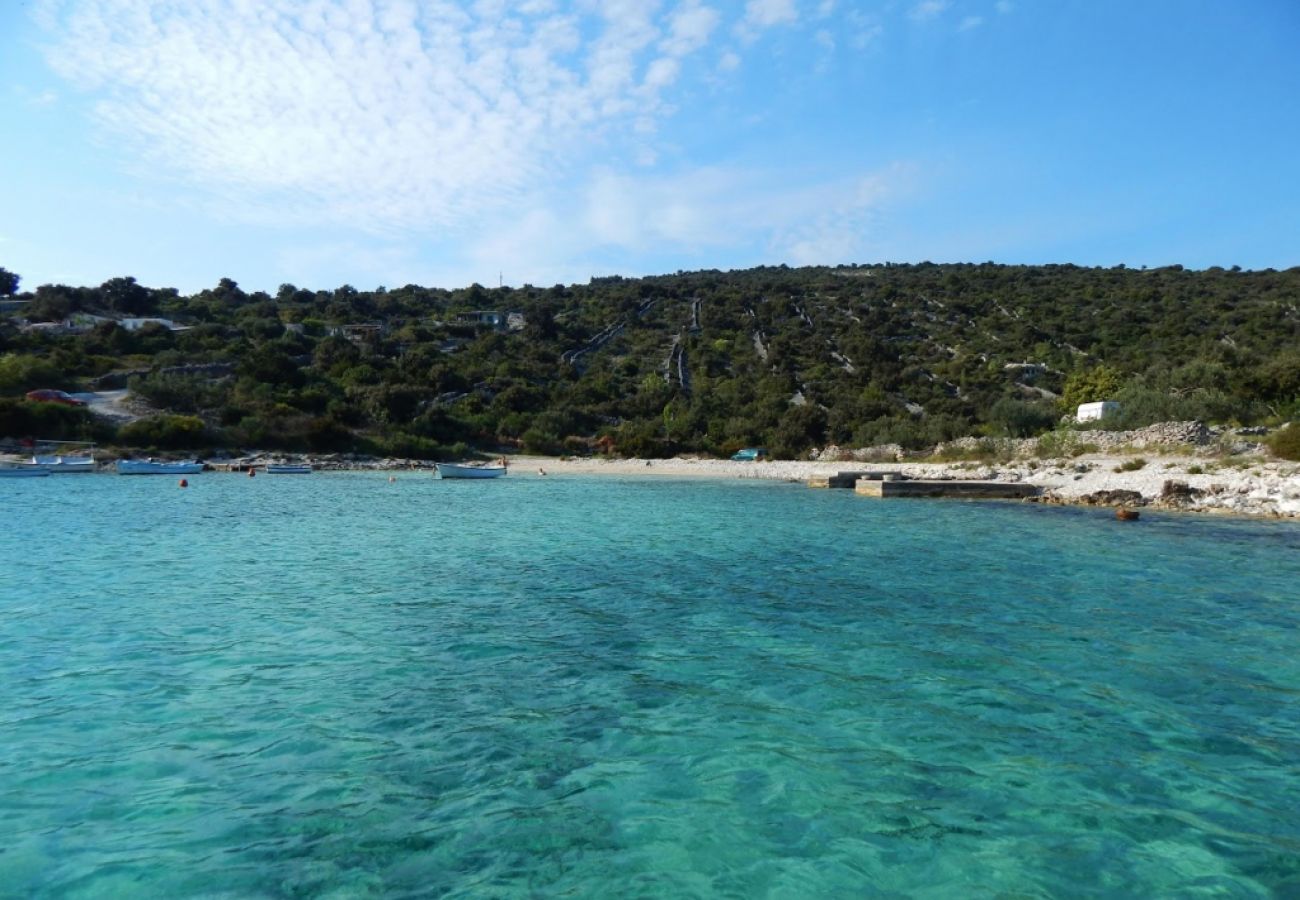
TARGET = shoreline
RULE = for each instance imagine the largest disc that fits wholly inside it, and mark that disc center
(1251, 486)
(1260, 488)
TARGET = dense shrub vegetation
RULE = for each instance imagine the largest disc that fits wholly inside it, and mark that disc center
(19, 418)
(166, 433)
(1286, 443)
(694, 362)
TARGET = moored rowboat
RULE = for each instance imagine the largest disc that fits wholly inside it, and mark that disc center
(466, 470)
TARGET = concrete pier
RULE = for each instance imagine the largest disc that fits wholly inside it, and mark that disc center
(850, 479)
(971, 490)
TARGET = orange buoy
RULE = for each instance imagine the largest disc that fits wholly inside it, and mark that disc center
(184, 483)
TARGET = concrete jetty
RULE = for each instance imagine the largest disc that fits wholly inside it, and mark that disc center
(970, 490)
(849, 480)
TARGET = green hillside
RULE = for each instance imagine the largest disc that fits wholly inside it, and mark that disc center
(693, 362)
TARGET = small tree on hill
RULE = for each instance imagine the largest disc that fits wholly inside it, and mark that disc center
(1090, 386)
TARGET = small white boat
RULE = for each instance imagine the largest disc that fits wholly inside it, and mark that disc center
(24, 470)
(469, 470)
(158, 467)
(65, 465)
(287, 469)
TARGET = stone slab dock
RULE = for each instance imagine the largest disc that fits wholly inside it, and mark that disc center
(850, 479)
(973, 490)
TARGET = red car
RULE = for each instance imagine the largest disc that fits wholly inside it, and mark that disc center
(49, 395)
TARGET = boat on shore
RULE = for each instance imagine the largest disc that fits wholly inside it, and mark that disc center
(287, 469)
(62, 457)
(470, 470)
(158, 467)
(65, 465)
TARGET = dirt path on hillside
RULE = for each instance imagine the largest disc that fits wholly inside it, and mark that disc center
(117, 406)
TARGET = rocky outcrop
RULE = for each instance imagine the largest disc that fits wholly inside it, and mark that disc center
(878, 453)
(1112, 498)
(1179, 495)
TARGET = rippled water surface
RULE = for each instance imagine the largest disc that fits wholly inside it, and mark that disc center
(337, 685)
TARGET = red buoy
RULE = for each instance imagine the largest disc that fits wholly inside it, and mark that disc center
(184, 483)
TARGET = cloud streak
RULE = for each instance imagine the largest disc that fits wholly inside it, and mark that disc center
(705, 215)
(928, 10)
(377, 113)
(766, 13)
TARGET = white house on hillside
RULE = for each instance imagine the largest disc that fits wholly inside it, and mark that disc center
(1091, 412)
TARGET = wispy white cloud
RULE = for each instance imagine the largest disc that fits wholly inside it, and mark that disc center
(703, 214)
(826, 47)
(763, 14)
(766, 13)
(864, 29)
(379, 113)
(840, 221)
(515, 135)
(41, 98)
(970, 22)
(1004, 6)
(928, 10)
(391, 264)
(689, 28)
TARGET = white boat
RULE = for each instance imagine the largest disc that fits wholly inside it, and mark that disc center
(63, 457)
(24, 470)
(469, 470)
(287, 469)
(65, 465)
(158, 467)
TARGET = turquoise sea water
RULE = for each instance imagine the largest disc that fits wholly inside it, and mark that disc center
(338, 686)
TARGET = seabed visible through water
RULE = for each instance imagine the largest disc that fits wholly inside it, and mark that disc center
(619, 687)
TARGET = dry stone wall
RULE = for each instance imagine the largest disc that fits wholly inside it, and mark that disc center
(1193, 437)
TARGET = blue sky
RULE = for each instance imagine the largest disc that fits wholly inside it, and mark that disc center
(444, 142)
